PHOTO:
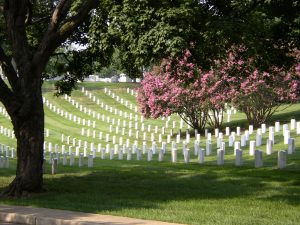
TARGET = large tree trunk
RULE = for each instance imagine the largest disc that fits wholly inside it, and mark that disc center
(29, 132)
(23, 99)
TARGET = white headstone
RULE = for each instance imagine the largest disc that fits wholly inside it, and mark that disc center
(247, 135)
(54, 166)
(208, 148)
(293, 124)
(291, 145)
(281, 159)
(230, 140)
(269, 147)
(174, 155)
(238, 131)
(90, 161)
(263, 128)
(154, 148)
(238, 157)
(80, 161)
(216, 132)
(149, 157)
(298, 127)
(201, 153)
(252, 147)
(111, 154)
(243, 141)
(258, 139)
(286, 136)
(186, 155)
(237, 145)
(72, 159)
(250, 129)
(271, 136)
(220, 157)
(258, 160)
(196, 148)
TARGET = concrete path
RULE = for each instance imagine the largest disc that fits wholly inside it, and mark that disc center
(4, 223)
(42, 216)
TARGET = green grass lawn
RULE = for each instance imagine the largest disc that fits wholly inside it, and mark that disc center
(175, 192)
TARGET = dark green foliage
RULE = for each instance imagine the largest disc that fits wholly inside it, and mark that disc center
(147, 31)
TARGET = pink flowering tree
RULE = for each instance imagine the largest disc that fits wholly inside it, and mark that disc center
(176, 88)
(181, 87)
(218, 94)
(258, 93)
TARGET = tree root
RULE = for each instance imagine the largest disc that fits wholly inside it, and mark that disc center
(16, 190)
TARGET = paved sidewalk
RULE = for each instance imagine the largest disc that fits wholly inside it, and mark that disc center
(42, 216)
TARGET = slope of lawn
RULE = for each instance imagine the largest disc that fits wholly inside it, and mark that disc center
(175, 192)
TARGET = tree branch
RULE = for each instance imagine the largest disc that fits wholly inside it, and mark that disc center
(29, 12)
(54, 38)
(9, 71)
(38, 20)
(5, 94)
(62, 54)
(72, 24)
(15, 12)
(58, 15)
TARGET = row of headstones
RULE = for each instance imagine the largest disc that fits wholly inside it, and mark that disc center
(110, 93)
(218, 117)
(116, 149)
(293, 125)
(131, 91)
(229, 110)
(220, 143)
(4, 162)
(291, 147)
(244, 138)
(258, 157)
(126, 104)
(107, 135)
(231, 139)
(227, 129)
(104, 106)
(149, 126)
(156, 136)
(7, 132)
(79, 145)
(4, 112)
(130, 132)
(107, 107)
(5, 153)
(113, 121)
(114, 96)
(130, 115)
(259, 133)
(120, 100)
(70, 116)
(134, 93)
(69, 139)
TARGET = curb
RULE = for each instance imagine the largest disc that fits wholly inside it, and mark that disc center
(17, 218)
(42, 216)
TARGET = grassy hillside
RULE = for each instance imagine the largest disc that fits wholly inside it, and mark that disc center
(176, 192)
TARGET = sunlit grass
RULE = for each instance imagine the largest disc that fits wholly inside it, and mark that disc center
(175, 192)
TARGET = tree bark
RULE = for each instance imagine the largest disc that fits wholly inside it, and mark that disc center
(29, 132)
(23, 100)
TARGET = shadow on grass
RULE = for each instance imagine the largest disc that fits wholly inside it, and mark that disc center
(285, 117)
(141, 187)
